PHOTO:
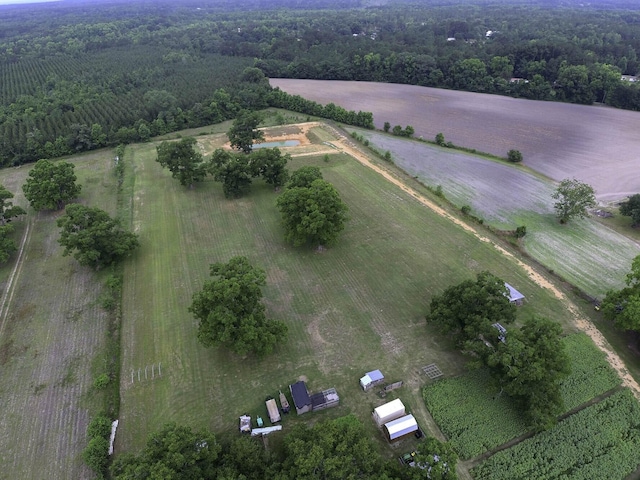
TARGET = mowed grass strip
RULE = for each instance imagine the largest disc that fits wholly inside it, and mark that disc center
(476, 417)
(54, 330)
(350, 308)
(584, 252)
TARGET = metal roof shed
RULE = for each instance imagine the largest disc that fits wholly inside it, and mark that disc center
(389, 411)
(370, 379)
(400, 427)
(514, 295)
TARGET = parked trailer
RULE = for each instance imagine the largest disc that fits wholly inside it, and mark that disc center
(284, 403)
(272, 409)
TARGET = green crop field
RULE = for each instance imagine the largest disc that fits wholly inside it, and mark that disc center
(476, 418)
(351, 308)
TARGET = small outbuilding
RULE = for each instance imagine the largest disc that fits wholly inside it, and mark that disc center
(245, 424)
(301, 398)
(325, 399)
(400, 427)
(514, 295)
(272, 409)
(284, 403)
(388, 412)
(371, 379)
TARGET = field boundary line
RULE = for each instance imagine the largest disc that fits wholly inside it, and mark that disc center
(582, 323)
(10, 288)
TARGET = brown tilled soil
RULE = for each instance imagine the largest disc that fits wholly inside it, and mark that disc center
(597, 145)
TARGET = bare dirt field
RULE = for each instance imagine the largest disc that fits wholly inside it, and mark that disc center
(598, 145)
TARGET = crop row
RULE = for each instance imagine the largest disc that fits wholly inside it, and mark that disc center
(601, 441)
(476, 417)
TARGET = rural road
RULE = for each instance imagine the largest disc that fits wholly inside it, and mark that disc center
(595, 144)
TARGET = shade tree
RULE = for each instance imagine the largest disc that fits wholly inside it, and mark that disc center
(574, 198)
(313, 215)
(183, 160)
(631, 208)
(93, 237)
(623, 306)
(230, 312)
(50, 186)
(8, 210)
(244, 131)
(232, 171)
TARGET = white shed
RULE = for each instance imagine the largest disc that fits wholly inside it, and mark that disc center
(371, 379)
(514, 295)
(389, 411)
(400, 427)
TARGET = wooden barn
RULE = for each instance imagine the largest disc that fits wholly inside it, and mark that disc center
(388, 412)
(301, 398)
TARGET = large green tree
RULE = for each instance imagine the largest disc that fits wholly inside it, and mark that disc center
(631, 208)
(529, 366)
(183, 160)
(7, 209)
(573, 199)
(332, 450)
(435, 460)
(232, 170)
(93, 236)
(230, 311)
(173, 453)
(468, 310)
(623, 306)
(271, 165)
(244, 131)
(50, 186)
(312, 215)
(304, 177)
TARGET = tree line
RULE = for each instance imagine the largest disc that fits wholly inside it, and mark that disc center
(74, 81)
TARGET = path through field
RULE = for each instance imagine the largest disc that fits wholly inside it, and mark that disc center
(598, 145)
(582, 323)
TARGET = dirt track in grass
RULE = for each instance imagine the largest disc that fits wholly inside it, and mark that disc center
(598, 145)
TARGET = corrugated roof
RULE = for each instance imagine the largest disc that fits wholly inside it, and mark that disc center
(514, 294)
(375, 375)
(401, 426)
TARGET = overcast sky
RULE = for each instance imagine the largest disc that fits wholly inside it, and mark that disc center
(10, 2)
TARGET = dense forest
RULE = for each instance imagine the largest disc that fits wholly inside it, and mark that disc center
(76, 76)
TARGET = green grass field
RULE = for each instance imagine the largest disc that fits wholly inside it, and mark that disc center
(351, 308)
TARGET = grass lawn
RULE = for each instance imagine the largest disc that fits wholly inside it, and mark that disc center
(351, 308)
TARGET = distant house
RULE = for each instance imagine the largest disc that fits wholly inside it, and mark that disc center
(514, 295)
(272, 409)
(451, 39)
(400, 427)
(388, 412)
(629, 78)
(325, 399)
(301, 398)
(371, 379)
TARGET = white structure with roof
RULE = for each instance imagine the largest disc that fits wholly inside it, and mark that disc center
(370, 379)
(400, 427)
(388, 412)
(514, 295)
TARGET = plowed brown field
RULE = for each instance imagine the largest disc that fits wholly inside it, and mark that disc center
(598, 145)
